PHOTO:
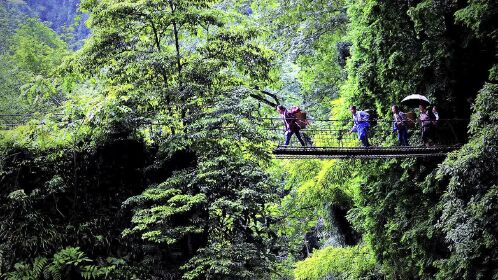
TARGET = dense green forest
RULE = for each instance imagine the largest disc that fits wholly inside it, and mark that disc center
(141, 151)
(64, 17)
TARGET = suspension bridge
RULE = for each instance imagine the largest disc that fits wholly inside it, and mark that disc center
(332, 139)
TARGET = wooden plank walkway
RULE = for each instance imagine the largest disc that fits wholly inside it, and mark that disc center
(283, 152)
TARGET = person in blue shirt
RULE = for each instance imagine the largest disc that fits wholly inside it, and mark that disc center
(291, 126)
(361, 125)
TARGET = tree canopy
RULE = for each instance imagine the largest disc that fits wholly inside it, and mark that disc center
(145, 154)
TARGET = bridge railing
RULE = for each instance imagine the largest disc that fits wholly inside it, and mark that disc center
(326, 133)
(337, 133)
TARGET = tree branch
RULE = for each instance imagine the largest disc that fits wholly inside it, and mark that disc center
(267, 102)
(272, 95)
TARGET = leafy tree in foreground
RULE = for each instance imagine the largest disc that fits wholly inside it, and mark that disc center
(189, 65)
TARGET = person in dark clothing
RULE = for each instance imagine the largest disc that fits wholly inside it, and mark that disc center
(436, 125)
(435, 112)
(400, 125)
(291, 126)
(427, 125)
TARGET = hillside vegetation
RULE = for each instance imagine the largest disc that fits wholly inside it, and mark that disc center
(142, 154)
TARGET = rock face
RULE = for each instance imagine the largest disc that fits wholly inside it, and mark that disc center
(64, 17)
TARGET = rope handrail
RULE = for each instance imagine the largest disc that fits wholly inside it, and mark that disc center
(260, 118)
(27, 115)
(350, 120)
(312, 122)
(324, 138)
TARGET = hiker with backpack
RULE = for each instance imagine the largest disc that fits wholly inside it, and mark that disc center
(291, 123)
(400, 124)
(361, 125)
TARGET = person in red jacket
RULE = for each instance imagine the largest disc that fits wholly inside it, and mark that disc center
(291, 126)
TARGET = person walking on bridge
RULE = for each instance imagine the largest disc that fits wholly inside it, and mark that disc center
(400, 124)
(291, 126)
(361, 125)
(427, 120)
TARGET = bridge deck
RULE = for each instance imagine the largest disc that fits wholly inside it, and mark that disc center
(326, 139)
(283, 152)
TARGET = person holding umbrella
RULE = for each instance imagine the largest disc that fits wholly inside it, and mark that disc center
(426, 118)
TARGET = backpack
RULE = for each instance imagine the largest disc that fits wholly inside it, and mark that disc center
(372, 116)
(411, 119)
(300, 116)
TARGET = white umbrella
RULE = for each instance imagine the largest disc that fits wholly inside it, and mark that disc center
(414, 100)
